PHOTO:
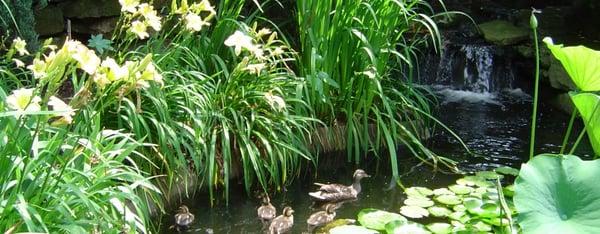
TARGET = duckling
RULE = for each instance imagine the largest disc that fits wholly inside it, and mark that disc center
(283, 223)
(321, 218)
(266, 212)
(339, 192)
(183, 218)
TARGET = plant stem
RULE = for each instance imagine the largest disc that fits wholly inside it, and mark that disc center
(569, 129)
(535, 95)
(577, 141)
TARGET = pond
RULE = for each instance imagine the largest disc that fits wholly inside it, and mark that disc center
(494, 126)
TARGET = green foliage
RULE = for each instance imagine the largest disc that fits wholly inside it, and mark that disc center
(582, 64)
(558, 194)
(17, 20)
(588, 106)
(377, 219)
(100, 44)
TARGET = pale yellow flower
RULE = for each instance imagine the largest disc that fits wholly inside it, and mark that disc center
(19, 63)
(19, 45)
(194, 22)
(59, 105)
(151, 16)
(139, 29)
(263, 32)
(101, 79)
(278, 51)
(115, 72)
(150, 74)
(240, 40)
(276, 102)
(73, 46)
(129, 5)
(255, 68)
(38, 68)
(203, 6)
(23, 100)
(154, 22)
(87, 59)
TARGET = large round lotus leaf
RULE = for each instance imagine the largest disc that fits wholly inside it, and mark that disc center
(440, 228)
(460, 189)
(418, 191)
(439, 211)
(397, 227)
(507, 171)
(442, 191)
(376, 219)
(415, 212)
(351, 229)
(558, 194)
(419, 201)
(448, 199)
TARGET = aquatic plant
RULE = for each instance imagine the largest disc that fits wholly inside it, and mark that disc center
(347, 57)
(558, 194)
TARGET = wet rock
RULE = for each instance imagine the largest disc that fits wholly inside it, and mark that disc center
(558, 76)
(563, 103)
(103, 26)
(91, 8)
(49, 21)
(502, 32)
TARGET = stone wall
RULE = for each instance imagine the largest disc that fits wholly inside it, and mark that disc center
(87, 17)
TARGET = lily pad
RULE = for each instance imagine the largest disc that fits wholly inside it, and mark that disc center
(460, 216)
(376, 219)
(478, 207)
(558, 194)
(582, 64)
(439, 211)
(414, 212)
(418, 191)
(490, 175)
(509, 191)
(440, 228)
(474, 181)
(345, 229)
(507, 171)
(442, 191)
(460, 189)
(459, 207)
(481, 226)
(335, 223)
(419, 201)
(397, 227)
(448, 199)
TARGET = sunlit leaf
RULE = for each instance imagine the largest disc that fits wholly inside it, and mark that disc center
(588, 106)
(414, 212)
(376, 219)
(582, 64)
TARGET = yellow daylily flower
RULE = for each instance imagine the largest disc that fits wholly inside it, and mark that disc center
(38, 68)
(19, 63)
(194, 22)
(87, 59)
(19, 45)
(139, 29)
(59, 105)
(276, 102)
(115, 72)
(129, 5)
(23, 100)
(255, 68)
(240, 40)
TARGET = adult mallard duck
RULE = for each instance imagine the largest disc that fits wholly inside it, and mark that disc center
(183, 218)
(321, 218)
(339, 192)
(266, 212)
(283, 223)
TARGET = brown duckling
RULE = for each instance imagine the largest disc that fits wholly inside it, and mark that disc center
(183, 218)
(321, 218)
(266, 212)
(283, 223)
(339, 192)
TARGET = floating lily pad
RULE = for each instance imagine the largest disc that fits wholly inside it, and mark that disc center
(396, 227)
(499, 222)
(414, 212)
(448, 199)
(418, 191)
(440, 228)
(509, 191)
(352, 229)
(507, 171)
(439, 211)
(459, 207)
(419, 201)
(442, 191)
(376, 219)
(558, 194)
(491, 175)
(335, 223)
(460, 189)
(460, 216)
(474, 181)
(478, 207)
(481, 226)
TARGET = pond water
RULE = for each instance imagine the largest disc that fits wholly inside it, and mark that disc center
(495, 126)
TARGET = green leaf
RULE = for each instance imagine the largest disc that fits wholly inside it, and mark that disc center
(507, 171)
(440, 228)
(419, 201)
(397, 227)
(460, 189)
(588, 106)
(489, 175)
(448, 199)
(376, 219)
(439, 211)
(442, 191)
(558, 194)
(99, 43)
(582, 64)
(418, 191)
(351, 229)
(415, 212)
